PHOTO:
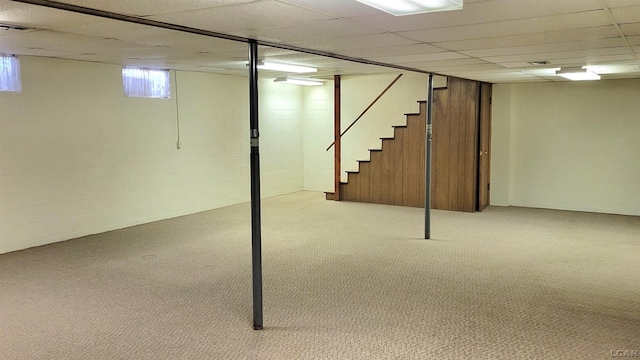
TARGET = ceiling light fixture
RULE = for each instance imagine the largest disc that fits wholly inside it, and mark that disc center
(577, 73)
(412, 7)
(267, 65)
(305, 82)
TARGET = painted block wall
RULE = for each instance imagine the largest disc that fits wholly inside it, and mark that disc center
(572, 145)
(77, 157)
(318, 134)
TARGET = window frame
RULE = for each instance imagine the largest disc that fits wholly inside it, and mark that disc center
(10, 77)
(140, 82)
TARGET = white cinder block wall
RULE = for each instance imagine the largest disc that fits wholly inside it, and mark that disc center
(77, 157)
(318, 134)
(571, 145)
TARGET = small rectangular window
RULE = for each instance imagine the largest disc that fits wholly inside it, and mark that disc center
(146, 83)
(10, 74)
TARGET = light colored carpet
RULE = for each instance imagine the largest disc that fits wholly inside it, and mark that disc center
(342, 281)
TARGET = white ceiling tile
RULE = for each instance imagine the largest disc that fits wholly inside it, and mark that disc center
(295, 58)
(354, 44)
(42, 18)
(327, 29)
(622, 76)
(614, 69)
(620, 3)
(634, 40)
(623, 50)
(255, 15)
(114, 29)
(46, 53)
(479, 12)
(546, 48)
(446, 63)
(11, 5)
(376, 48)
(107, 47)
(511, 27)
(631, 29)
(95, 58)
(152, 7)
(590, 33)
(581, 61)
(548, 71)
(399, 59)
(42, 39)
(625, 15)
(176, 39)
(473, 67)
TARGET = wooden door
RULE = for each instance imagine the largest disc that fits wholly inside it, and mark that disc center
(484, 147)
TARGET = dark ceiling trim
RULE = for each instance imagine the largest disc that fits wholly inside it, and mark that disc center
(164, 25)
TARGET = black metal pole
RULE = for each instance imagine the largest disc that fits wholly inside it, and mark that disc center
(428, 141)
(256, 237)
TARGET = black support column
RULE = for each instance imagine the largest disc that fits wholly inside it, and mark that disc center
(427, 178)
(256, 227)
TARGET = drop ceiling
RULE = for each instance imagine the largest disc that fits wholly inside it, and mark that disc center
(489, 40)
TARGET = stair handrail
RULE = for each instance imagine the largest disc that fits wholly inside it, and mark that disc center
(367, 109)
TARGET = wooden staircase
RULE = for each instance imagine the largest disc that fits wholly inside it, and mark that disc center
(395, 174)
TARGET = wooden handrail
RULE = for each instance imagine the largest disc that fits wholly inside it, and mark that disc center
(367, 109)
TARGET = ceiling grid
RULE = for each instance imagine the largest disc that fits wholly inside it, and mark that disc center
(489, 40)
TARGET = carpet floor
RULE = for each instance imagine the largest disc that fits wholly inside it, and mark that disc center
(341, 281)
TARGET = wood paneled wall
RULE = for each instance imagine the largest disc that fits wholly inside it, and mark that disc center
(455, 146)
(395, 174)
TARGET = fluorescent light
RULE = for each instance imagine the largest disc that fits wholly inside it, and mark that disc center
(411, 7)
(285, 67)
(306, 82)
(577, 74)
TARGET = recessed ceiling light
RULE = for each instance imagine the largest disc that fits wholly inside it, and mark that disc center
(577, 74)
(411, 7)
(305, 82)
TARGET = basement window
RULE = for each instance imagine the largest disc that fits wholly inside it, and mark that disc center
(146, 83)
(10, 74)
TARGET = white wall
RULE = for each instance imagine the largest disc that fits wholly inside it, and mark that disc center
(318, 134)
(500, 144)
(77, 157)
(572, 145)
